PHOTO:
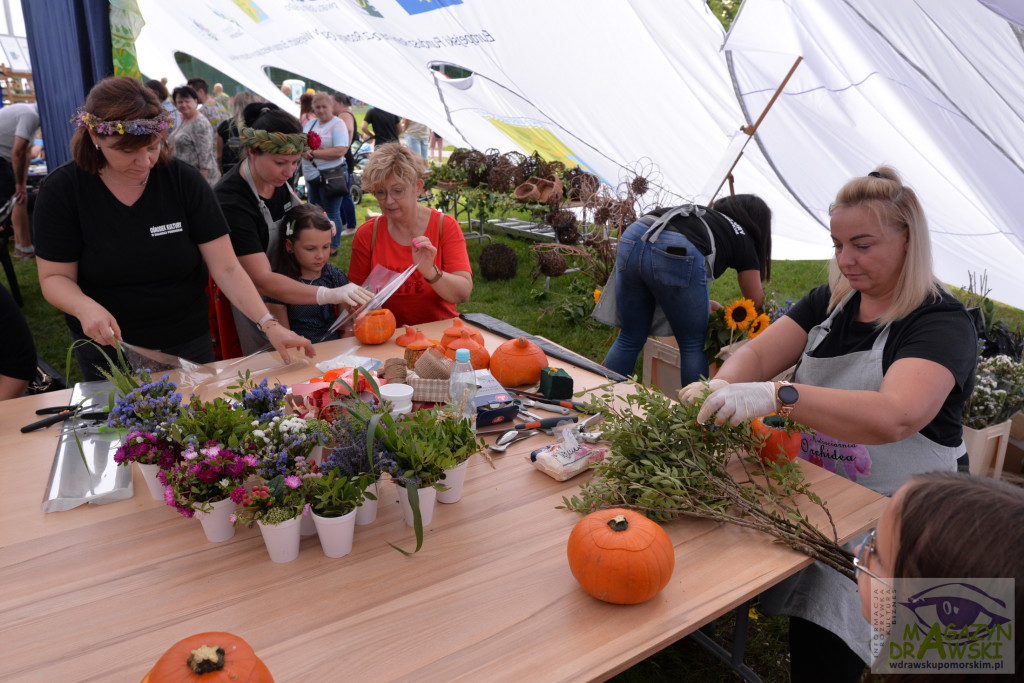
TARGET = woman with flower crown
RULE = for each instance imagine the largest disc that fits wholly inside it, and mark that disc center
(255, 195)
(126, 236)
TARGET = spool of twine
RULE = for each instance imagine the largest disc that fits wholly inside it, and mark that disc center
(394, 370)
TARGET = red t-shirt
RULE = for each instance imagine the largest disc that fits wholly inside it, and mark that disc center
(416, 302)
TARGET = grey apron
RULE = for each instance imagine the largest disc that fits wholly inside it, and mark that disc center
(819, 593)
(249, 336)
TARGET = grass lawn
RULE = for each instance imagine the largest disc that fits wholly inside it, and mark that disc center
(534, 306)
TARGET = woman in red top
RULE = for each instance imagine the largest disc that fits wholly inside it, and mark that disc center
(409, 233)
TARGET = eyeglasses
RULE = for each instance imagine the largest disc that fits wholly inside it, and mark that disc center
(395, 193)
(860, 565)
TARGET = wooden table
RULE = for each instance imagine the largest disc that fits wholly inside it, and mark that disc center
(99, 592)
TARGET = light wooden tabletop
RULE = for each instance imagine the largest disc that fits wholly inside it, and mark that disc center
(99, 592)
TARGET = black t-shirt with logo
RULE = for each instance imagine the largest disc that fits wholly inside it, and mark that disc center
(140, 262)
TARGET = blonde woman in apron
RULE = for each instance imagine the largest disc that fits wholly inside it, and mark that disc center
(254, 196)
(885, 362)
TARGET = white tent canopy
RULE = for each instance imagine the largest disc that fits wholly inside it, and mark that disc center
(931, 88)
(933, 91)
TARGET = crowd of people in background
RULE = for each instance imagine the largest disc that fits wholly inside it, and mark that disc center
(178, 136)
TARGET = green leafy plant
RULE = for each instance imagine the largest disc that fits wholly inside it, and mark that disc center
(333, 495)
(667, 465)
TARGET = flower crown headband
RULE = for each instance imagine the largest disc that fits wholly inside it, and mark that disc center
(153, 126)
(278, 143)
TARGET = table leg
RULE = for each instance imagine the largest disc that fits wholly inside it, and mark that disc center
(735, 658)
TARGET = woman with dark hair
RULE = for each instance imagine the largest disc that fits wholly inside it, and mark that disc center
(126, 235)
(195, 140)
(306, 113)
(945, 526)
(254, 196)
(668, 257)
(885, 361)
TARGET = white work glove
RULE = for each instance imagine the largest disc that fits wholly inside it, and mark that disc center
(738, 402)
(695, 390)
(351, 295)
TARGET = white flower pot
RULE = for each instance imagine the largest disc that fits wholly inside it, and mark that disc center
(453, 479)
(149, 472)
(336, 533)
(366, 513)
(306, 526)
(427, 498)
(987, 448)
(217, 523)
(282, 540)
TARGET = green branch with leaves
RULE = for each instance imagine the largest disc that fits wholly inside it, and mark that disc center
(666, 465)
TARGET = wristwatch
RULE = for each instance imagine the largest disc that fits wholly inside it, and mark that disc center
(786, 397)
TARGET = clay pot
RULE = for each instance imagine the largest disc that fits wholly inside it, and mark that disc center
(479, 357)
(518, 362)
(415, 349)
(454, 333)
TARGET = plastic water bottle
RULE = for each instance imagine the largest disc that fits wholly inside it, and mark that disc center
(462, 385)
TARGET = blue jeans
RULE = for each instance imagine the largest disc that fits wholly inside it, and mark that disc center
(331, 205)
(348, 207)
(669, 272)
(418, 145)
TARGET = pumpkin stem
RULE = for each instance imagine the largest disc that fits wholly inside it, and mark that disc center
(206, 659)
(618, 523)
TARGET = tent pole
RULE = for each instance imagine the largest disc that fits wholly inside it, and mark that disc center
(750, 130)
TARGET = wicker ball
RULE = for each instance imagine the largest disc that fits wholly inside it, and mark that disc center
(552, 263)
(498, 262)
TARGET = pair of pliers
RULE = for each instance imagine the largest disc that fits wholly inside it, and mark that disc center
(571, 405)
(541, 405)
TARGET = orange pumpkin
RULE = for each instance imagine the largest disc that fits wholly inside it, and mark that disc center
(620, 556)
(518, 362)
(479, 358)
(209, 658)
(375, 327)
(777, 445)
(454, 333)
(408, 336)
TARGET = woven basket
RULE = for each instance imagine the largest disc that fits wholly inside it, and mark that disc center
(428, 390)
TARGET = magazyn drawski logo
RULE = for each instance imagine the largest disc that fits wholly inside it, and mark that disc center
(943, 625)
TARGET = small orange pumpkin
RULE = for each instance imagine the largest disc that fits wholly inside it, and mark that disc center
(454, 333)
(376, 326)
(518, 362)
(777, 445)
(479, 357)
(408, 336)
(620, 556)
(210, 658)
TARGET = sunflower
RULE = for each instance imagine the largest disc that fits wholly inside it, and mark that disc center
(739, 314)
(759, 325)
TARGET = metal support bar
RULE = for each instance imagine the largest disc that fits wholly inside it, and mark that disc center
(733, 659)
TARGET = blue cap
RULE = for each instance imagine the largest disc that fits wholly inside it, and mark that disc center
(461, 354)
